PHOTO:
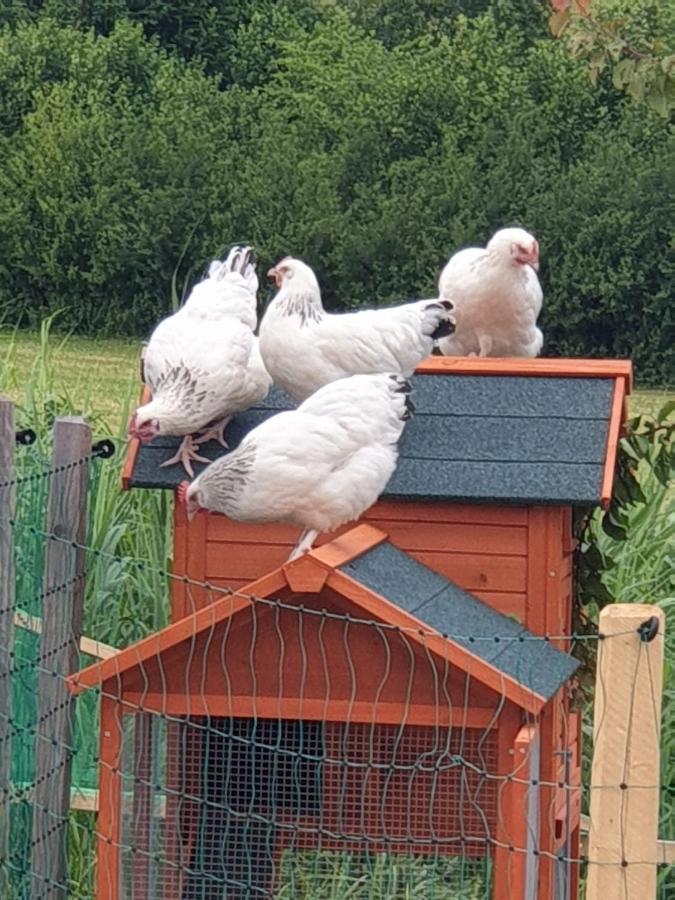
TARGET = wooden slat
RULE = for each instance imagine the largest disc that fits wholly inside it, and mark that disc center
(58, 655)
(243, 560)
(353, 543)
(508, 604)
(562, 368)
(477, 572)
(133, 447)
(88, 645)
(456, 537)
(145, 727)
(471, 571)
(613, 435)
(220, 529)
(7, 607)
(109, 823)
(624, 792)
(309, 708)
(452, 513)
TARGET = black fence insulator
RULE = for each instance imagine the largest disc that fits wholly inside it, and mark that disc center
(648, 629)
(103, 449)
(25, 437)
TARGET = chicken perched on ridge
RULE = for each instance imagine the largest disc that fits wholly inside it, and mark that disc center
(304, 347)
(202, 364)
(318, 466)
(497, 297)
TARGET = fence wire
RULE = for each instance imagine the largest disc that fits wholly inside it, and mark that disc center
(283, 749)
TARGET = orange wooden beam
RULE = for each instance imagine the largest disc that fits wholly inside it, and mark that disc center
(348, 546)
(108, 832)
(562, 368)
(323, 710)
(613, 436)
(133, 447)
(511, 857)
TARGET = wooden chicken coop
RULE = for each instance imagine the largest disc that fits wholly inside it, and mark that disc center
(389, 694)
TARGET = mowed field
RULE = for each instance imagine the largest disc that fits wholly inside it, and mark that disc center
(101, 378)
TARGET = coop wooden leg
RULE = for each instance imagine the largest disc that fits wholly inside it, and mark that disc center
(109, 803)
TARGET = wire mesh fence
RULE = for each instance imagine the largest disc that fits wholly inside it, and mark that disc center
(286, 744)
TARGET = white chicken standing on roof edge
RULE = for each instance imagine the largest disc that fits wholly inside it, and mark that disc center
(497, 297)
(303, 347)
(318, 466)
(202, 364)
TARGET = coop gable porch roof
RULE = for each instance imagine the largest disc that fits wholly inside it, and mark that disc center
(519, 431)
(391, 587)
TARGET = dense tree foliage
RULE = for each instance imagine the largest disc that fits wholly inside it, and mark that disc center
(139, 138)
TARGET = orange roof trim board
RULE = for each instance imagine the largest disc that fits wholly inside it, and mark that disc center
(320, 566)
(617, 416)
(559, 368)
(134, 445)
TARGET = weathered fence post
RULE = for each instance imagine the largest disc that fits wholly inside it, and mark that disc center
(7, 608)
(58, 655)
(624, 793)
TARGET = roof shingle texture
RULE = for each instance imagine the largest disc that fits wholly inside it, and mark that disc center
(476, 438)
(498, 640)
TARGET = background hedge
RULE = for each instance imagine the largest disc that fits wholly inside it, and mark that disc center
(139, 138)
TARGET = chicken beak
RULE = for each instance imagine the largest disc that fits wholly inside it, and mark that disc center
(272, 273)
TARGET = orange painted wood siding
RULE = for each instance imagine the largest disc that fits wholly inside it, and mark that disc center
(483, 549)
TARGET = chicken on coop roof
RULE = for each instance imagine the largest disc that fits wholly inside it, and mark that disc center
(518, 431)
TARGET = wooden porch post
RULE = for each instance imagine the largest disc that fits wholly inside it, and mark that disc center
(624, 794)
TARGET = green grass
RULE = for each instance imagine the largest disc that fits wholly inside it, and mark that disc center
(100, 376)
(97, 377)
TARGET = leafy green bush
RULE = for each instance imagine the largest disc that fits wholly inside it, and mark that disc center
(117, 165)
(374, 159)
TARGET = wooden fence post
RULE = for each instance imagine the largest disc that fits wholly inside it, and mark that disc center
(7, 609)
(58, 655)
(624, 793)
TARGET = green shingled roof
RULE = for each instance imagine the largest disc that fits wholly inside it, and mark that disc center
(496, 639)
(475, 438)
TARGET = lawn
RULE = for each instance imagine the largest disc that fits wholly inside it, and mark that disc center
(101, 377)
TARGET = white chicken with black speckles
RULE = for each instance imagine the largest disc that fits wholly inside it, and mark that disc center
(497, 297)
(318, 466)
(203, 364)
(304, 347)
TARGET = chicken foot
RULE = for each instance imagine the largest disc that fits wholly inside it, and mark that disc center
(304, 544)
(186, 454)
(215, 432)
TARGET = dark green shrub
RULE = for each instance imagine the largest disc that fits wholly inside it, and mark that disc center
(106, 180)
(373, 162)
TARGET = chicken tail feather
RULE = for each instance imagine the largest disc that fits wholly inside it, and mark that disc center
(437, 319)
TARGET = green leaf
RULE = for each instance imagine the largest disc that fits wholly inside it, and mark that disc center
(613, 530)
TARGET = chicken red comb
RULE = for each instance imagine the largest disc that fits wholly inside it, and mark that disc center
(181, 491)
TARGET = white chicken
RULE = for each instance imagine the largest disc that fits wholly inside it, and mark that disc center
(304, 347)
(202, 364)
(497, 297)
(318, 466)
